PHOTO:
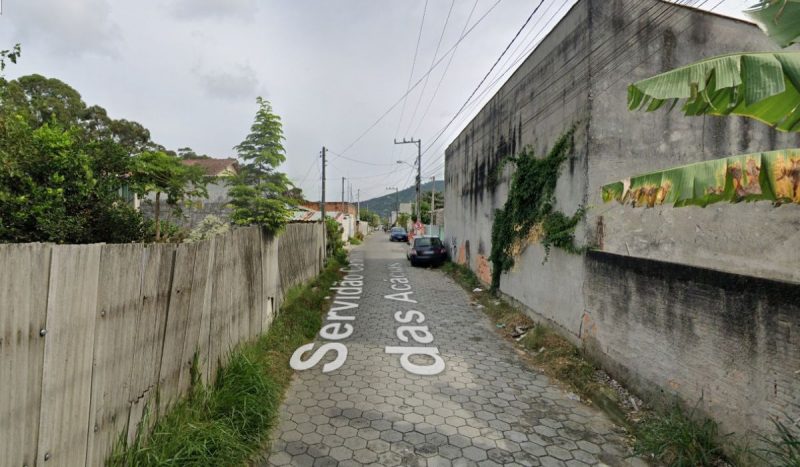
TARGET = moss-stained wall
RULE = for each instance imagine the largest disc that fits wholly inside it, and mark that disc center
(579, 74)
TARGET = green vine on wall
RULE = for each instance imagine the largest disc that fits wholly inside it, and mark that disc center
(528, 214)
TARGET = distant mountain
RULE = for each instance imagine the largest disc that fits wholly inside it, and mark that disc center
(384, 205)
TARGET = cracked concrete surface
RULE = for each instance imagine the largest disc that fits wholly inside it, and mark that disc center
(487, 408)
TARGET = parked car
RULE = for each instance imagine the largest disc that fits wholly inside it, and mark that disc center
(398, 234)
(427, 250)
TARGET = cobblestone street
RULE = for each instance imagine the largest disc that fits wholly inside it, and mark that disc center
(486, 407)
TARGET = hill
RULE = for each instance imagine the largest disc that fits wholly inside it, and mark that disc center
(383, 205)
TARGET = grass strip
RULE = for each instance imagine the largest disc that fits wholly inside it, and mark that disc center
(229, 422)
(674, 437)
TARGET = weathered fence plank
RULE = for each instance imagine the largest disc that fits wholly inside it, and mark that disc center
(271, 281)
(67, 380)
(118, 306)
(219, 321)
(255, 297)
(23, 295)
(124, 323)
(176, 325)
(158, 262)
(196, 340)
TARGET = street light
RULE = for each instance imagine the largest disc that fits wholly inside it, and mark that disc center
(406, 163)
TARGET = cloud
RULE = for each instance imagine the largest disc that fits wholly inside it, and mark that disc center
(239, 82)
(71, 28)
(200, 9)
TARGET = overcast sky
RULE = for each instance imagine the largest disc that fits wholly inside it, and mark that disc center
(190, 71)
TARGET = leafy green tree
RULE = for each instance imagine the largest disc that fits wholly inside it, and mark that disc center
(402, 220)
(372, 219)
(52, 191)
(426, 205)
(11, 55)
(159, 173)
(259, 191)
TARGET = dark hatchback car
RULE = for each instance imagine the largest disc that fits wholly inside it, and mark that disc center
(398, 234)
(427, 250)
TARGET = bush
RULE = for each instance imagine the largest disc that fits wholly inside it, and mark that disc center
(170, 233)
(334, 234)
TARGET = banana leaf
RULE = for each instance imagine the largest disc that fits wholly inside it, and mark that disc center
(763, 86)
(771, 176)
(779, 19)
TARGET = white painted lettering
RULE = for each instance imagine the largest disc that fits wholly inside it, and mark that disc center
(297, 363)
(418, 333)
(347, 290)
(333, 332)
(425, 370)
(343, 305)
(409, 316)
(401, 297)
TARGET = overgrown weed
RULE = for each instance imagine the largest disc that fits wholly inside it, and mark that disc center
(674, 438)
(679, 439)
(229, 422)
(782, 449)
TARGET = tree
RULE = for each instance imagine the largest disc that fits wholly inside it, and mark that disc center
(761, 86)
(60, 180)
(188, 153)
(426, 204)
(259, 191)
(12, 55)
(52, 191)
(156, 171)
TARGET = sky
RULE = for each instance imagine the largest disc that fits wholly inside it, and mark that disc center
(190, 72)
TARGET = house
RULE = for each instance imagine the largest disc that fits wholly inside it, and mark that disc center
(219, 172)
(343, 213)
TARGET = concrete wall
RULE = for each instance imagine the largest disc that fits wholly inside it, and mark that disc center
(726, 342)
(755, 239)
(511, 120)
(89, 334)
(642, 325)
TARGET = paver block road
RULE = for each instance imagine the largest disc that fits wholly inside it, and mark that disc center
(485, 408)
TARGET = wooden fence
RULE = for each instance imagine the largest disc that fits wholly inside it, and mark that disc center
(90, 333)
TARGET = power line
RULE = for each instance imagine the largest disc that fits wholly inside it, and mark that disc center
(393, 106)
(338, 155)
(526, 52)
(554, 79)
(669, 10)
(490, 71)
(413, 65)
(546, 86)
(435, 54)
(446, 68)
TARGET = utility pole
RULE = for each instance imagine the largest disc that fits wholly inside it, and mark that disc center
(322, 202)
(342, 209)
(418, 142)
(358, 205)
